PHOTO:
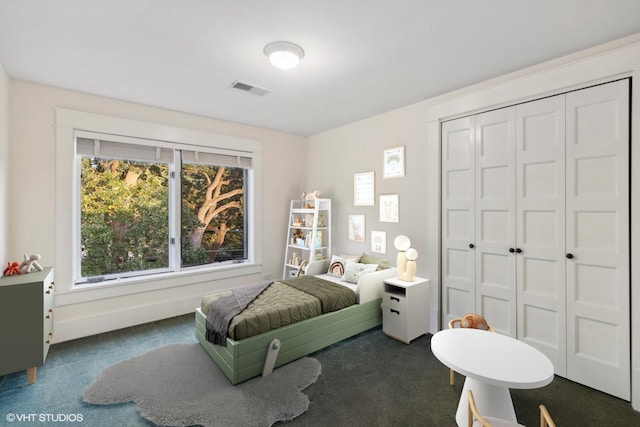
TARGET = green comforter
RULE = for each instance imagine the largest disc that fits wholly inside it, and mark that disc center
(289, 301)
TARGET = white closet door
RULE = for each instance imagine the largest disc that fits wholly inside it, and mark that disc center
(458, 174)
(598, 342)
(540, 181)
(495, 219)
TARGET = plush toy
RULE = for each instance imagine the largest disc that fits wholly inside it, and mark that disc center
(308, 199)
(297, 234)
(350, 276)
(474, 321)
(12, 268)
(29, 263)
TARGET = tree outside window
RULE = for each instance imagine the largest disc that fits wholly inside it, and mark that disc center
(126, 213)
(212, 214)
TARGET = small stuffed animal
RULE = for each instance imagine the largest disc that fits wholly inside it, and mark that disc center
(29, 263)
(350, 276)
(474, 321)
(311, 196)
(309, 199)
(12, 268)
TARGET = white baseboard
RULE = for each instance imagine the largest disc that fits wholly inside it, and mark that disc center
(92, 324)
(82, 319)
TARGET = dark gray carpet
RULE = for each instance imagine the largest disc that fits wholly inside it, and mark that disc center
(370, 380)
(375, 381)
(179, 385)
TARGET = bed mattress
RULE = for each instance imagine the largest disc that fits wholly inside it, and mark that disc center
(285, 302)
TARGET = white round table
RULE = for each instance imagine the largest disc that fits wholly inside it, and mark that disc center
(493, 363)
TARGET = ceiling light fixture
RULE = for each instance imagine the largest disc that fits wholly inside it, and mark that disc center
(284, 55)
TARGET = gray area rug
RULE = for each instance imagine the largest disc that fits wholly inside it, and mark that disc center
(179, 385)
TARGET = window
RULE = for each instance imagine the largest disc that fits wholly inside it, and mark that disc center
(148, 207)
(124, 217)
(213, 221)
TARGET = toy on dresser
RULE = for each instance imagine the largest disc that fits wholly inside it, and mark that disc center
(29, 263)
(12, 268)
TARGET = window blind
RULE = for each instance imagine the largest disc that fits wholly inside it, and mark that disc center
(118, 150)
(108, 149)
(216, 159)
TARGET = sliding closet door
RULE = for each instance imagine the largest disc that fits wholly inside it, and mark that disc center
(495, 219)
(598, 342)
(540, 266)
(458, 213)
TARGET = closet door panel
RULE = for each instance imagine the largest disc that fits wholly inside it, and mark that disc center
(495, 219)
(598, 344)
(458, 226)
(540, 163)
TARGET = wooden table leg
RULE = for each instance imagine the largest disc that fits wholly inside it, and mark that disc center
(31, 375)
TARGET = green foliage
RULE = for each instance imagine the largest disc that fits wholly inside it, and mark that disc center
(124, 216)
(213, 247)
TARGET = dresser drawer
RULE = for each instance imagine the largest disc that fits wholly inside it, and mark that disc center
(395, 301)
(394, 323)
(48, 315)
(47, 333)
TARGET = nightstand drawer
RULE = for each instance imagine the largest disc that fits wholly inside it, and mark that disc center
(394, 323)
(395, 301)
(405, 308)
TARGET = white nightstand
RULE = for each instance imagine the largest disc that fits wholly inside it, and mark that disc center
(405, 308)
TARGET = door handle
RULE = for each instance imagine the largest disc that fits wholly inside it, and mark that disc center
(512, 250)
(471, 246)
(518, 250)
(569, 256)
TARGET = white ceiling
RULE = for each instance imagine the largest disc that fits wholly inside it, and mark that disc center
(363, 57)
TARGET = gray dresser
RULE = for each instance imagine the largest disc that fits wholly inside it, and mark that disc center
(26, 321)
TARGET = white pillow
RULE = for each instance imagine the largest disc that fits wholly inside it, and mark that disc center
(354, 271)
(336, 266)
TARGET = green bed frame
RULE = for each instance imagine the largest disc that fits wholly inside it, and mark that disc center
(244, 359)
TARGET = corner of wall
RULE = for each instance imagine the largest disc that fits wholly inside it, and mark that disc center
(4, 162)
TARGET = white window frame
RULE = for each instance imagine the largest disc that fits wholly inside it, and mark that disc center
(71, 124)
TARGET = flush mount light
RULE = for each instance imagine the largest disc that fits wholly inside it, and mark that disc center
(284, 55)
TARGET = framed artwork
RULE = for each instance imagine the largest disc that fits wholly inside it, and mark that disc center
(363, 189)
(389, 208)
(356, 228)
(393, 166)
(379, 242)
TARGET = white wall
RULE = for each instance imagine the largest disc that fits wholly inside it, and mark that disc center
(4, 165)
(32, 204)
(334, 157)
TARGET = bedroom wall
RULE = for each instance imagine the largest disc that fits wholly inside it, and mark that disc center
(357, 147)
(4, 165)
(336, 155)
(32, 202)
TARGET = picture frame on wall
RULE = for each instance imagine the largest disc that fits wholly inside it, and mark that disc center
(393, 166)
(364, 189)
(356, 228)
(379, 242)
(389, 211)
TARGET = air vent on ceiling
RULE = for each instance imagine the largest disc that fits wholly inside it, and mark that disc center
(250, 88)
